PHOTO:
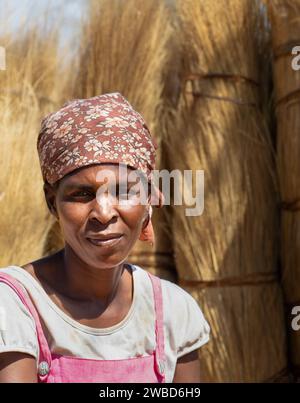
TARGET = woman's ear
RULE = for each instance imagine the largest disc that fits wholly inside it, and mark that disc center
(50, 196)
(148, 216)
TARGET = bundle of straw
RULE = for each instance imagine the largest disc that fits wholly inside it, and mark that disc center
(29, 89)
(123, 47)
(227, 257)
(285, 15)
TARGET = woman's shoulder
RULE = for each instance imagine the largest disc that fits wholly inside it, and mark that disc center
(15, 278)
(183, 318)
(10, 298)
(17, 272)
(29, 274)
(17, 326)
(173, 294)
(171, 290)
(13, 271)
(180, 301)
(22, 278)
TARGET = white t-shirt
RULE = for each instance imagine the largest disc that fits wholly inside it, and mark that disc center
(185, 328)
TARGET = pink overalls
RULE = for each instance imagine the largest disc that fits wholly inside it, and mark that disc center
(55, 368)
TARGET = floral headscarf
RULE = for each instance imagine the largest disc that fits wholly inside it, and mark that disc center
(104, 128)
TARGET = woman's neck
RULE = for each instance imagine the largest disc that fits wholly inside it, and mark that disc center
(83, 282)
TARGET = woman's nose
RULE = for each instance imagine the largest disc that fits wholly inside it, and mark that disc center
(103, 208)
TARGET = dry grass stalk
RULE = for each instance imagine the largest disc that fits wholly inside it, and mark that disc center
(227, 257)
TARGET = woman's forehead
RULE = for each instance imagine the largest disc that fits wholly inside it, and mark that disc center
(100, 173)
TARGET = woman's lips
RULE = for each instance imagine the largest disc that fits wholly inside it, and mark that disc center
(105, 242)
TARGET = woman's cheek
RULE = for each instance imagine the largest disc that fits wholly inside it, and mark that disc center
(133, 219)
(72, 216)
(131, 213)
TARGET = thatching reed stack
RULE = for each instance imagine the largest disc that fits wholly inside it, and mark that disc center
(29, 89)
(227, 257)
(285, 16)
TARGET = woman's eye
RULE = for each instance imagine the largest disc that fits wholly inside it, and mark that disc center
(81, 194)
(127, 194)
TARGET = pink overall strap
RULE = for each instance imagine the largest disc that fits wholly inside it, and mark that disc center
(45, 354)
(159, 331)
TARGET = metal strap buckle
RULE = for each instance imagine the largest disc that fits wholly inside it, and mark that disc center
(43, 368)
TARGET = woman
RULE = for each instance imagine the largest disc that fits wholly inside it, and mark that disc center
(85, 314)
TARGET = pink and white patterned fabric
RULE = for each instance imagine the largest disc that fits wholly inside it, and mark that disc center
(104, 128)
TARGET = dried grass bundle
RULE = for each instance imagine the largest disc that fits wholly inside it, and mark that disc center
(29, 89)
(123, 48)
(227, 257)
(285, 17)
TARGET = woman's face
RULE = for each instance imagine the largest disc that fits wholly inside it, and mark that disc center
(88, 208)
